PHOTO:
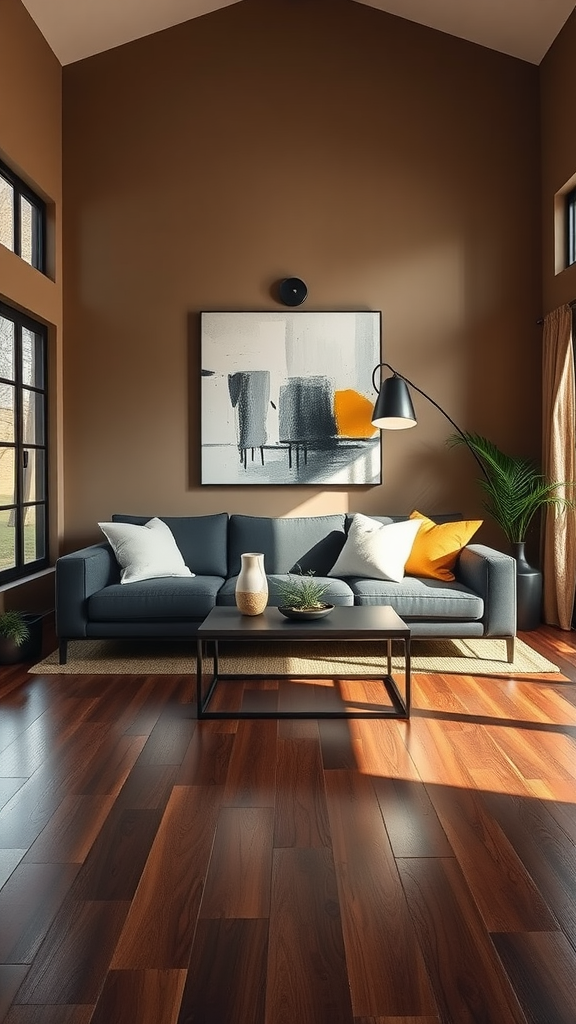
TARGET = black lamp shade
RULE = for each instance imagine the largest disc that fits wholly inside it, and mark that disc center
(394, 409)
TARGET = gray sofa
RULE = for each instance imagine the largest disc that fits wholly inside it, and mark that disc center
(92, 603)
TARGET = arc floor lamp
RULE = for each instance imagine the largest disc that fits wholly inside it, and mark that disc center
(394, 409)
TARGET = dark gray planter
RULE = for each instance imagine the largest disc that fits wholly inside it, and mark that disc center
(528, 590)
(30, 650)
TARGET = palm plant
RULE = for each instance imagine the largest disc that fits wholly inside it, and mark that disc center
(515, 490)
(13, 626)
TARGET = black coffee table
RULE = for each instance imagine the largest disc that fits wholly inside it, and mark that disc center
(370, 622)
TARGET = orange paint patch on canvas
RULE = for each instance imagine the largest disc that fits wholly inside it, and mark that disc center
(353, 414)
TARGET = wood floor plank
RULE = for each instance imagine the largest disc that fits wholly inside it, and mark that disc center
(545, 850)
(207, 758)
(72, 962)
(251, 779)
(307, 976)
(412, 824)
(49, 1015)
(107, 770)
(10, 980)
(8, 787)
(378, 934)
(29, 901)
(301, 817)
(115, 863)
(168, 741)
(227, 977)
(469, 982)
(397, 1020)
(71, 831)
(542, 967)
(154, 997)
(30, 749)
(160, 925)
(9, 859)
(337, 744)
(504, 891)
(148, 787)
(380, 748)
(238, 879)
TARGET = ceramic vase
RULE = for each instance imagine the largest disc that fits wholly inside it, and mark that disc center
(252, 585)
(528, 590)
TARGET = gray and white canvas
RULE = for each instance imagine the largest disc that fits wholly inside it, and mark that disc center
(287, 396)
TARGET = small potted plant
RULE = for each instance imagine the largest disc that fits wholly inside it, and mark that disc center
(301, 596)
(20, 637)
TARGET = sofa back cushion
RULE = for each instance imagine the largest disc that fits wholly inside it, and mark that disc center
(202, 540)
(311, 542)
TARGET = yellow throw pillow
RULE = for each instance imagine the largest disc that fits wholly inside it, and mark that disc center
(437, 546)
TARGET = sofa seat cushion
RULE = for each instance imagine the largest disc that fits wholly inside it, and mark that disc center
(417, 598)
(337, 592)
(166, 598)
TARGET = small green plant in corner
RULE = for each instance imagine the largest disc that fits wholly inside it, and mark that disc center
(13, 626)
(301, 590)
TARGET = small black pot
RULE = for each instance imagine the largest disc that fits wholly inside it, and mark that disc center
(30, 650)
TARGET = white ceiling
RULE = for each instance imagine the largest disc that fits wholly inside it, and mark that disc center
(79, 28)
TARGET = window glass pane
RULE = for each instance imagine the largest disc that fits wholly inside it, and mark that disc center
(6, 412)
(32, 417)
(33, 474)
(7, 539)
(34, 533)
(32, 359)
(26, 214)
(6, 214)
(6, 348)
(7, 477)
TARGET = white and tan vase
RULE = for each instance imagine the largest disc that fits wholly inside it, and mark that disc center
(252, 585)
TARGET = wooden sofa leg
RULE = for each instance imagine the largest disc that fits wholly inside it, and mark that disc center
(510, 649)
(62, 652)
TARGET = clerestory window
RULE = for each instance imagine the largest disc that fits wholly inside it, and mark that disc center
(22, 219)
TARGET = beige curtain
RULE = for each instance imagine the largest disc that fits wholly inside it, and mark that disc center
(559, 463)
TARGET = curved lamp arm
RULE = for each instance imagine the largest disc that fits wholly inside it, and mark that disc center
(432, 402)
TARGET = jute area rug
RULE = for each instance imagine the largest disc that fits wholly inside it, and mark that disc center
(127, 657)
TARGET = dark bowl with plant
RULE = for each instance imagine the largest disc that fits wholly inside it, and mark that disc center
(301, 595)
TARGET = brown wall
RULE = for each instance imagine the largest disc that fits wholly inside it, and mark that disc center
(390, 166)
(31, 144)
(558, 88)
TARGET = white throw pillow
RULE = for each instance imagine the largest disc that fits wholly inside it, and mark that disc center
(145, 552)
(376, 551)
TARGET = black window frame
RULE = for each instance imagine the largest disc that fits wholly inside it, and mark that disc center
(23, 191)
(22, 569)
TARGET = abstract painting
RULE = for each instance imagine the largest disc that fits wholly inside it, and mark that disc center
(287, 398)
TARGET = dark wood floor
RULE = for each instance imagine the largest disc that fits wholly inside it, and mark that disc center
(157, 870)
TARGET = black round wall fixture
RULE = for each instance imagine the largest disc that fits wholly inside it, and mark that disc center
(293, 291)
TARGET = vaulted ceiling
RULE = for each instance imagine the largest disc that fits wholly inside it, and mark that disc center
(79, 28)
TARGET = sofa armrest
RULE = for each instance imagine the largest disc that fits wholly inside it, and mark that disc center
(492, 574)
(78, 575)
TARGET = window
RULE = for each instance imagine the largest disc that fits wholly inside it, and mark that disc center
(22, 219)
(23, 446)
(571, 227)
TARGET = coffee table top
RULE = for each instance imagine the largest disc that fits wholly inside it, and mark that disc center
(357, 622)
